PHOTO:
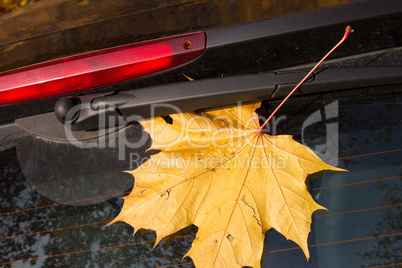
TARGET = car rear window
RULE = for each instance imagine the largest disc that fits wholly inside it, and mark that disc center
(56, 198)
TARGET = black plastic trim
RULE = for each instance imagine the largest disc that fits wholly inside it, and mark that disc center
(340, 14)
(134, 105)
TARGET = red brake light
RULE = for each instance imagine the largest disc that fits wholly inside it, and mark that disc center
(99, 68)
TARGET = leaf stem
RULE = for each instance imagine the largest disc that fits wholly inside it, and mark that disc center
(348, 30)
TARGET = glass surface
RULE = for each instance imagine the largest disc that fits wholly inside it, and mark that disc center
(363, 224)
(56, 199)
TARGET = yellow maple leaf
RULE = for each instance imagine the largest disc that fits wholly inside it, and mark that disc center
(218, 171)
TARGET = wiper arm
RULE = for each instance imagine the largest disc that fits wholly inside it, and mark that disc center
(84, 112)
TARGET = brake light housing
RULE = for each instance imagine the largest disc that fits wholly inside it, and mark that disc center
(100, 68)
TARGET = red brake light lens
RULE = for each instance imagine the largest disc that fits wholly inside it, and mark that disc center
(99, 68)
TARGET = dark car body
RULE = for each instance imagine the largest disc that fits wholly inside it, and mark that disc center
(57, 196)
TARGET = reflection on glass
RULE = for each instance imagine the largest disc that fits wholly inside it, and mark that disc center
(360, 229)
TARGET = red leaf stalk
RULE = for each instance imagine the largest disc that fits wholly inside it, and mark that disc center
(348, 30)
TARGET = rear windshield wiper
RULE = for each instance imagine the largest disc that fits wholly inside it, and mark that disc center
(84, 112)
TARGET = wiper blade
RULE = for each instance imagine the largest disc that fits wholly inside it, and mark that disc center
(133, 105)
